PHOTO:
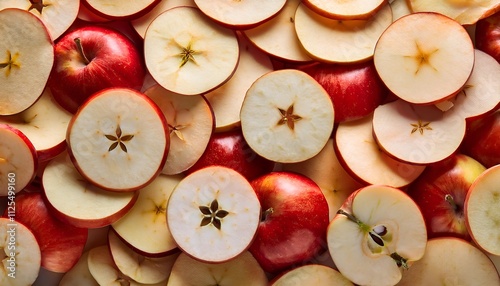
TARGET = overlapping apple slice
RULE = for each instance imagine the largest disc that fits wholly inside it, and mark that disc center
(120, 9)
(80, 274)
(377, 234)
(345, 10)
(311, 274)
(399, 8)
(464, 12)
(287, 116)
(26, 52)
(213, 214)
(188, 53)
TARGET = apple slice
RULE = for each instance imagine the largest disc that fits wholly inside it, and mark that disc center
(118, 140)
(74, 200)
(213, 214)
(417, 134)
(346, 10)
(429, 67)
(27, 52)
(20, 254)
(400, 8)
(183, 44)
(451, 261)
(377, 234)
(190, 123)
(86, 15)
(243, 270)
(347, 41)
(18, 160)
(311, 274)
(287, 116)
(464, 12)
(361, 156)
(45, 124)
(80, 274)
(144, 227)
(120, 10)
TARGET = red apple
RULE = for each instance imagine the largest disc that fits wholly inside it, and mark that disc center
(487, 35)
(294, 221)
(482, 140)
(91, 58)
(440, 192)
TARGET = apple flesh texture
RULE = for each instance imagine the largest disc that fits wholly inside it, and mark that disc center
(487, 35)
(113, 61)
(482, 140)
(294, 221)
(451, 177)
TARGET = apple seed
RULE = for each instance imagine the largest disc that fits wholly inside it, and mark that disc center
(118, 139)
(212, 215)
(420, 127)
(12, 61)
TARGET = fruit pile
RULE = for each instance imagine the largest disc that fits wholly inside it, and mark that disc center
(284, 142)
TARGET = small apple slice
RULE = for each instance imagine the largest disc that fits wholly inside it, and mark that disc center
(451, 261)
(66, 192)
(429, 67)
(417, 134)
(80, 274)
(287, 116)
(26, 52)
(213, 214)
(377, 235)
(243, 270)
(18, 160)
(120, 10)
(464, 12)
(144, 227)
(20, 254)
(190, 123)
(311, 274)
(347, 41)
(346, 10)
(118, 139)
(45, 124)
(183, 44)
(359, 153)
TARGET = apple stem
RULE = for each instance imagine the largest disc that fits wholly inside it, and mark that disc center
(451, 201)
(400, 261)
(80, 50)
(266, 213)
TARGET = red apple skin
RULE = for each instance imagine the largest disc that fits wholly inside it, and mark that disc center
(487, 35)
(114, 61)
(355, 89)
(452, 176)
(229, 149)
(294, 221)
(61, 244)
(482, 140)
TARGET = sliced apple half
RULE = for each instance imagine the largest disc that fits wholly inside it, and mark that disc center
(277, 36)
(118, 140)
(20, 254)
(80, 274)
(417, 134)
(243, 270)
(311, 274)
(26, 52)
(287, 116)
(45, 124)
(213, 214)
(120, 10)
(451, 261)
(76, 201)
(377, 235)
(188, 53)
(347, 41)
(345, 10)
(418, 64)
(18, 160)
(464, 12)
(144, 227)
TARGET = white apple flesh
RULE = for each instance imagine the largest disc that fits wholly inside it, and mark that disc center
(120, 10)
(464, 12)
(311, 274)
(345, 10)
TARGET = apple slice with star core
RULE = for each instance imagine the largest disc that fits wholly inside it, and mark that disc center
(118, 140)
(19, 61)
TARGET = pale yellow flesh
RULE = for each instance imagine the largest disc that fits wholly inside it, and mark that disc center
(463, 11)
(79, 275)
(346, 9)
(313, 274)
(119, 8)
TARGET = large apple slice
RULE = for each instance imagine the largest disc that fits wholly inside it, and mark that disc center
(347, 41)
(118, 139)
(188, 53)
(120, 10)
(418, 64)
(243, 270)
(190, 123)
(464, 12)
(311, 274)
(79, 275)
(376, 235)
(345, 10)
(26, 52)
(213, 214)
(287, 116)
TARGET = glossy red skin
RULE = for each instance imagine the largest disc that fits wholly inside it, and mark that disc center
(482, 140)
(114, 62)
(229, 149)
(487, 35)
(355, 89)
(61, 244)
(295, 231)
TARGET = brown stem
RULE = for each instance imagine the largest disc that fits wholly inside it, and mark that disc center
(451, 201)
(80, 50)
(266, 213)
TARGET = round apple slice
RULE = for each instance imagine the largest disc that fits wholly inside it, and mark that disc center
(213, 214)
(243, 270)
(287, 116)
(417, 134)
(26, 52)
(346, 10)
(121, 9)
(347, 41)
(20, 254)
(464, 12)
(118, 140)
(79, 275)
(190, 123)
(182, 44)
(429, 67)
(18, 160)
(312, 274)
